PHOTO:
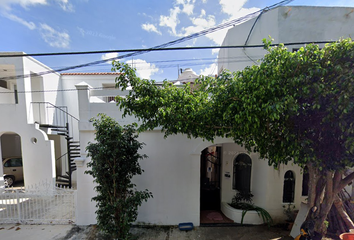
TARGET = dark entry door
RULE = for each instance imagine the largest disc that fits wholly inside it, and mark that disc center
(210, 179)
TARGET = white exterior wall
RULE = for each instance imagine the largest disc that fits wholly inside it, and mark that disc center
(38, 158)
(172, 172)
(70, 98)
(266, 182)
(285, 25)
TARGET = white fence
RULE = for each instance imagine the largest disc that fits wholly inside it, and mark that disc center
(42, 206)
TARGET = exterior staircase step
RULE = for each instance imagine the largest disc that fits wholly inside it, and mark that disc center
(51, 126)
(63, 176)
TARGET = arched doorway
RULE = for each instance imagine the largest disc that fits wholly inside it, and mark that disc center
(11, 154)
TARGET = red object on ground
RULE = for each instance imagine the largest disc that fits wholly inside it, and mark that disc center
(347, 236)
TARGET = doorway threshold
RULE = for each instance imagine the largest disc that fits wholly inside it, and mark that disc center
(214, 217)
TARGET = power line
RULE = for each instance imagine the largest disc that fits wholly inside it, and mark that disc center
(182, 62)
(167, 49)
(165, 45)
(162, 49)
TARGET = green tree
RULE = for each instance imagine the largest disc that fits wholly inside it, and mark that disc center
(114, 161)
(293, 106)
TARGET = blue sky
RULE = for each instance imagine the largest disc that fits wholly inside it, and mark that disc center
(34, 26)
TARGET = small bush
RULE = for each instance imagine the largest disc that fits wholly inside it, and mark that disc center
(114, 162)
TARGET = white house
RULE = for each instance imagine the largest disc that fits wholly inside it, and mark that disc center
(183, 182)
(39, 121)
(44, 113)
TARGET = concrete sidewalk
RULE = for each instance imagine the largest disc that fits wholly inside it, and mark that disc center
(72, 232)
(34, 232)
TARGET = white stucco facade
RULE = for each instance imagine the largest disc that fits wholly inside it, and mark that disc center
(288, 24)
(173, 169)
(30, 95)
(17, 117)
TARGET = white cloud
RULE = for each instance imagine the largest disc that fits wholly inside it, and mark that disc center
(109, 56)
(143, 69)
(211, 70)
(65, 5)
(12, 17)
(235, 8)
(150, 28)
(188, 6)
(231, 6)
(6, 4)
(171, 21)
(54, 38)
(199, 24)
(215, 51)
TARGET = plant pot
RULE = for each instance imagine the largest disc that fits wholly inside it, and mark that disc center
(251, 217)
(347, 236)
(290, 225)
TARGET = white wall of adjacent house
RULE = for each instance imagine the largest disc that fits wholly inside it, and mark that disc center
(172, 172)
(288, 24)
(17, 118)
(266, 182)
(70, 97)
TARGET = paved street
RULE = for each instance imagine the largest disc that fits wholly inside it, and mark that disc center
(61, 232)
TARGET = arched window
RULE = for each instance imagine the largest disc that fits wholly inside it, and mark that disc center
(289, 187)
(305, 182)
(242, 173)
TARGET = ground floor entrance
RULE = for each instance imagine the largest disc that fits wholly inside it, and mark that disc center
(210, 187)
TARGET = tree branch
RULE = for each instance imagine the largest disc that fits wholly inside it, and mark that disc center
(345, 181)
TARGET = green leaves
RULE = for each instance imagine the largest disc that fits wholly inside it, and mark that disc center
(114, 161)
(293, 106)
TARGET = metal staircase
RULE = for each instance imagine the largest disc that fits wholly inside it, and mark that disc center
(59, 124)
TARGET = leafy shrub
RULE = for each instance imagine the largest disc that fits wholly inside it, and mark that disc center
(114, 161)
(289, 211)
(244, 202)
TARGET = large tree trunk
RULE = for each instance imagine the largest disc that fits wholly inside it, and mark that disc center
(323, 189)
(338, 203)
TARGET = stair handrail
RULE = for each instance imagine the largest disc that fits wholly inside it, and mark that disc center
(58, 107)
(61, 156)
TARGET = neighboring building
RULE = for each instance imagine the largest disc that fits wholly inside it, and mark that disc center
(187, 76)
(39, 121)
(288, 24)
(186, 176)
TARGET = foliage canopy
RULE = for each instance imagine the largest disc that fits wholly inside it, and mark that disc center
(292, 106)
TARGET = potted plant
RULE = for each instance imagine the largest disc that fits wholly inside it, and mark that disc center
(242, 210)
(290, 213)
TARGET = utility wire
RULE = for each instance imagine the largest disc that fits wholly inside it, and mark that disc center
(163, 49)
(165, 45)
(158, 47)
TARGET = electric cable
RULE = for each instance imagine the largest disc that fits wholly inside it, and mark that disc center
(164, 49)
(165, 45)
